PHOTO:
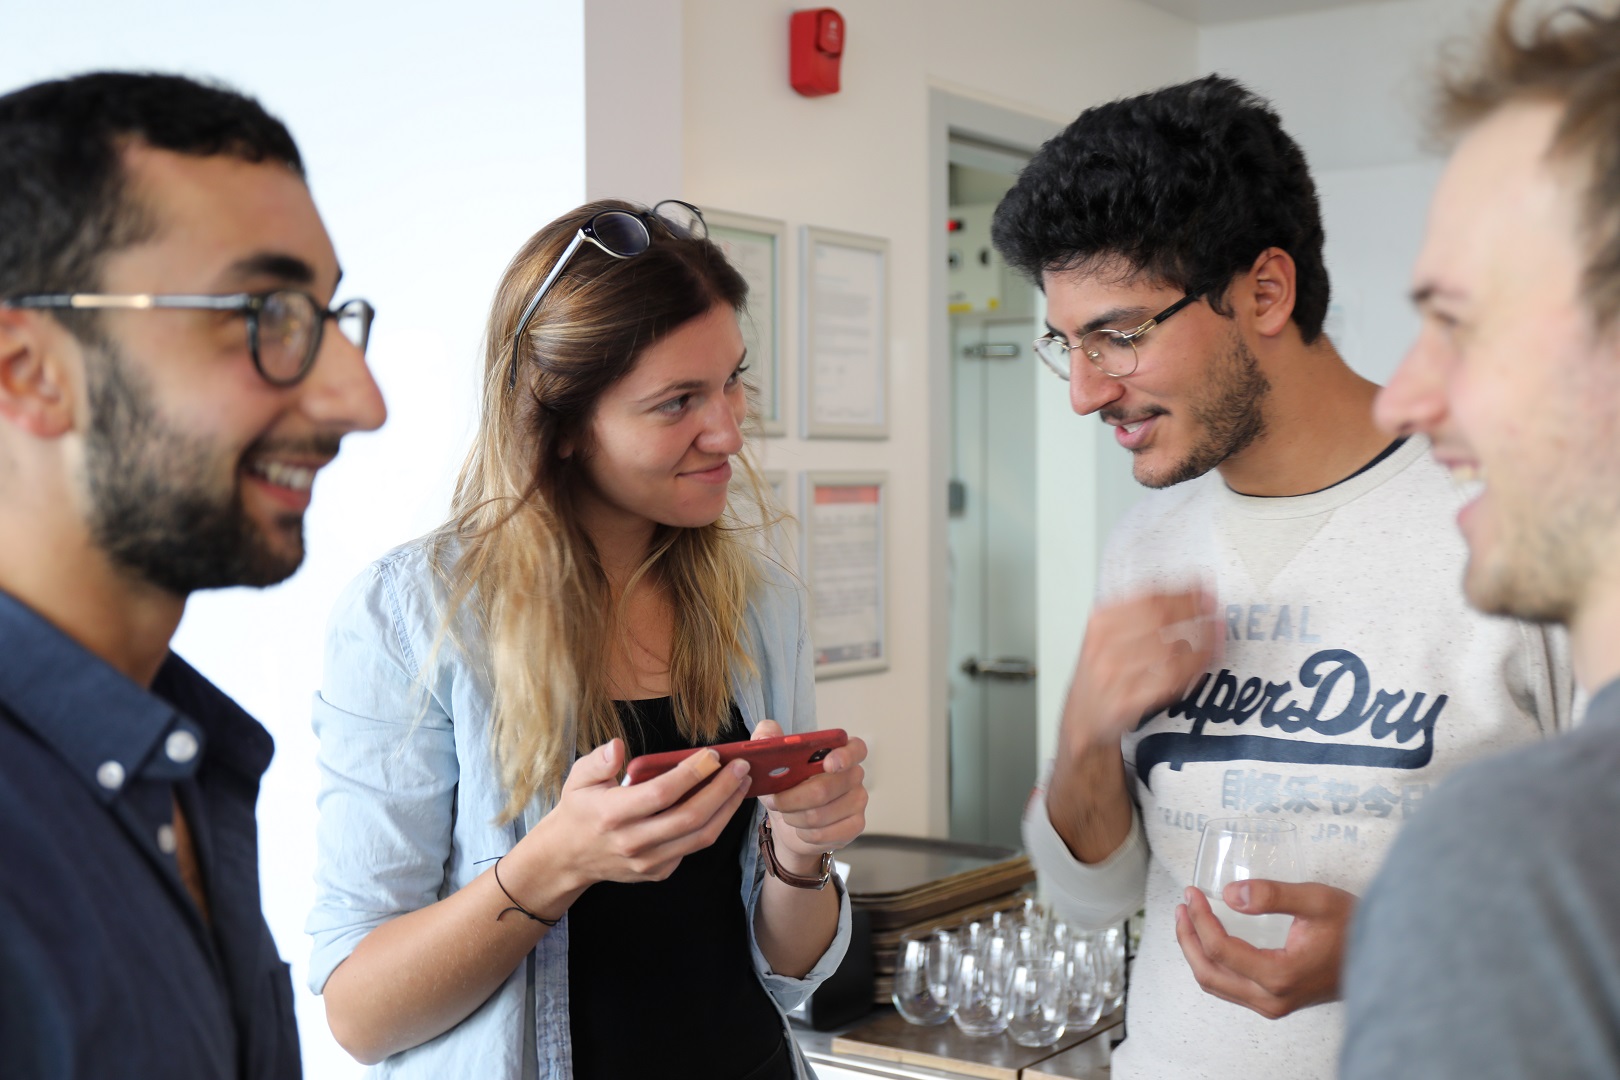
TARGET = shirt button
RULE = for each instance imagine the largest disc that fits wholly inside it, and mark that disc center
(110, 775)
(166, 841)
(181, 746)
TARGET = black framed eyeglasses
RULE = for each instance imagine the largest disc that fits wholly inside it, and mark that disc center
(1112, 351)
(623, 234)
(284, 326)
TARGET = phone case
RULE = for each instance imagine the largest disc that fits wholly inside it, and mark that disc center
(774, 764)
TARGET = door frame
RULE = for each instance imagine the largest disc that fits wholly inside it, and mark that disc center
(952, 112)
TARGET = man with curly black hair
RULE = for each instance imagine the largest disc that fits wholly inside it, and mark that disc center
(1280, 636)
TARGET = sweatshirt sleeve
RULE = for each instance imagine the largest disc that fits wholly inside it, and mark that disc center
(1090, 896)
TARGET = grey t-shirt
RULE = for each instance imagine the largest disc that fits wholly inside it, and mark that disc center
(1489, 943)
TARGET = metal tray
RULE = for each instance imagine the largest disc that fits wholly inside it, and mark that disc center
(883, 867)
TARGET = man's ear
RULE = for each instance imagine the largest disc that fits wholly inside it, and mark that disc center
(36, 387)
(1271, 284)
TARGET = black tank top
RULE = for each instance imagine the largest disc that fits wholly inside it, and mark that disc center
(660, 978)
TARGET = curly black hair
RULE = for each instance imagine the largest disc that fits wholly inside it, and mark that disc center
(1187, 184)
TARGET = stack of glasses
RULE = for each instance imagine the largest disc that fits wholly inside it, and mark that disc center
(1023, 973)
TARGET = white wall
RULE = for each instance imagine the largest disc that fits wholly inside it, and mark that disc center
(860, 161)
(434, 144)
(1352, 85)
(633, 114)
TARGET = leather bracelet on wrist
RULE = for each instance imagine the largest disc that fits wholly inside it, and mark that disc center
(767, 851)
(515, 906)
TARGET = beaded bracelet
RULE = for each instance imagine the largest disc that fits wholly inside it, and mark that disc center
(515, 905)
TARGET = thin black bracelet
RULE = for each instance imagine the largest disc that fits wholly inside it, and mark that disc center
(515, 905)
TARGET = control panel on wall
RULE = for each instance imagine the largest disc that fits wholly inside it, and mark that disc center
(977, 277)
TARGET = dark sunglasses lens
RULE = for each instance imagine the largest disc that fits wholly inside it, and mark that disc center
(621, 233)
(682, 219)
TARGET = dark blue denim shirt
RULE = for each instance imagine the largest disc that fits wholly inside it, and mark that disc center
(107, 968)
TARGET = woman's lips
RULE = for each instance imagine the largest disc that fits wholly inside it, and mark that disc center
(719, 474)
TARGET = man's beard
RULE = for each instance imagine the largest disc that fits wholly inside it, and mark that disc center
(1542, 565)
(1228, 413)
(155, 507)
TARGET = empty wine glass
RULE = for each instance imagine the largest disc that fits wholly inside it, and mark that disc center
(1030, 912)
(1238, 849)
(1060, 936)
(1032, 945)
(979, 994)
(992, 939)
(1111, 967)
(924, 966)
(1084, 983)
(1038, 1010)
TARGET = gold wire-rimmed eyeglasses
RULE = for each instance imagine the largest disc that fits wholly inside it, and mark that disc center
(1112, 351)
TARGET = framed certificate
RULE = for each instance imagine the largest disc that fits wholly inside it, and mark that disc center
(754, 246)
(844, 324)
(844, 540)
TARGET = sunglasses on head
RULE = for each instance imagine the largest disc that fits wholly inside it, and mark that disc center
(623, 234)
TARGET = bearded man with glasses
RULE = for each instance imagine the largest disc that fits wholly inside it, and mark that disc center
(169, 389)
(1279, 633)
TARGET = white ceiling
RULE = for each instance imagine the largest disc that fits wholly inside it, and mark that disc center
(1212, 12)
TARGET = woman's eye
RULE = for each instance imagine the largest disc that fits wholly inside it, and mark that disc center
(737, 374)
(675, 405)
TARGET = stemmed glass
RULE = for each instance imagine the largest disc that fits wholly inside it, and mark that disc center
(1238, 849)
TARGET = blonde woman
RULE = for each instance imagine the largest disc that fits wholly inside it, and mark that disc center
(491, 902)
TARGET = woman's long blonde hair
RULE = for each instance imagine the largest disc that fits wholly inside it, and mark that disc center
(513, 551)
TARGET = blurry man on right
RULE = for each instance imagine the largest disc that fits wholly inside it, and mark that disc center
(1489, 944)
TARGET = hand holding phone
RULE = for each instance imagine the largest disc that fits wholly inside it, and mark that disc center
(775, 764)
(600, 831)
(822, 814)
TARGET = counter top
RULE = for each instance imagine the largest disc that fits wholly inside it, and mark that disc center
(911, 1053)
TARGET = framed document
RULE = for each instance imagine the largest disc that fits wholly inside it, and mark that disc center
(844, 541)
(754, 246)
(844, 323)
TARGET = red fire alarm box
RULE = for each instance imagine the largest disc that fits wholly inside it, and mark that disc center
(817, 46)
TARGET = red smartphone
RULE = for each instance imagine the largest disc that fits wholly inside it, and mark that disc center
(774, 764)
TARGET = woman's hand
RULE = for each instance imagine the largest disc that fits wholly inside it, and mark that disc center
(600, 831)
(823, 813)
(794, 926)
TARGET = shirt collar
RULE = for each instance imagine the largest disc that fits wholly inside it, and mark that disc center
(108, 728)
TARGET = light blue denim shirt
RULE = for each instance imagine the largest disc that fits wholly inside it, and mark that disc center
(409, 799)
